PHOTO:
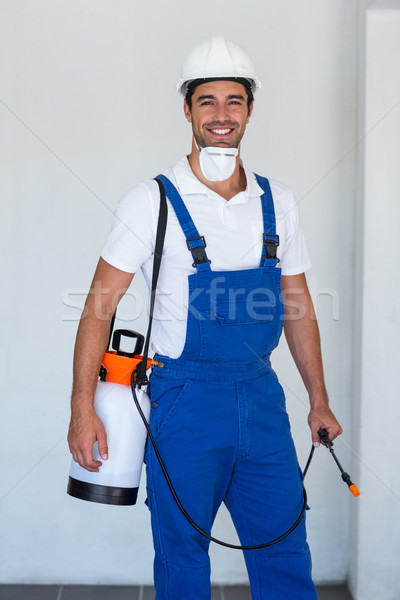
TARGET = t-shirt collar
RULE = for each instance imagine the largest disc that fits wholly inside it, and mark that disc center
(189, 184)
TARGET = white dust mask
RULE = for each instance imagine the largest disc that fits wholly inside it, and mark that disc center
(218, 164)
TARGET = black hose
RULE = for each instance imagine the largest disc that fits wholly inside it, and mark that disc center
(308, 461)
(188, 517)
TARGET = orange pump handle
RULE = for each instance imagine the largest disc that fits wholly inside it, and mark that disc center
(119, 368)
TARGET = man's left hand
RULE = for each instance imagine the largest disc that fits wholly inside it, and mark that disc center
(322, 417)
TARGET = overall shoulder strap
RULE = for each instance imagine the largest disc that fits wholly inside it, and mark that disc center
(141, 368)
(141, 377)
(195, 243)
(270, 237)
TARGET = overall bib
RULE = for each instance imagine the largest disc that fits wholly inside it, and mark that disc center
(220, 423)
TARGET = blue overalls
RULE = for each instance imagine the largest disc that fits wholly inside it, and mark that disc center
(219, 419)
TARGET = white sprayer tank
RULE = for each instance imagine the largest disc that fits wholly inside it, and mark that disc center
(117, 480)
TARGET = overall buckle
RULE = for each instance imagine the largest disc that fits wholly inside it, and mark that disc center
(198, 252)
(271, 243)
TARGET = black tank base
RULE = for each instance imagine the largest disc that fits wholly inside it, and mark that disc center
(104, 494)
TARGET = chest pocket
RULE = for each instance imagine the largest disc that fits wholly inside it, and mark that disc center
(245, 328)
(256, 307)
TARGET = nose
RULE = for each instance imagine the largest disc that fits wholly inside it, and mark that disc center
(221, 112)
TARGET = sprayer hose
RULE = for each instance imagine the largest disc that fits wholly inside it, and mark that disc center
(188, 517)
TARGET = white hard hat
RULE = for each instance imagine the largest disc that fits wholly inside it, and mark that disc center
(217, 59)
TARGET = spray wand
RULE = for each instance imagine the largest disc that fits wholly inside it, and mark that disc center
(323, 434)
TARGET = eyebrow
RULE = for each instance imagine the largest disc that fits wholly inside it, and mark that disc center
(210, 96)
(235, 97)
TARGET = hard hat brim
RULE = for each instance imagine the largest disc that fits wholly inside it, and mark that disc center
(183, 86)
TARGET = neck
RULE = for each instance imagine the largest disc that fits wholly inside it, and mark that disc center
(228, 188)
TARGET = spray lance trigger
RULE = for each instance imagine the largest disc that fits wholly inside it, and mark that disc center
(323, 434)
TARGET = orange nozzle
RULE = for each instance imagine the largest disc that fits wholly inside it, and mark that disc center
(354, 490)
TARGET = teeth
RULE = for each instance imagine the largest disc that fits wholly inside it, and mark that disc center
(220, 131)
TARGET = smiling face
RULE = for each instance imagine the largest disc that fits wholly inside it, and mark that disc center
(219, 113)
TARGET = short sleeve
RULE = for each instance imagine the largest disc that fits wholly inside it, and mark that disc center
(130, 242)
(294, 257)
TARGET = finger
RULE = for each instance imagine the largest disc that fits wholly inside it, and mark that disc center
(314, 435)
(87, 461)
(334, 431)
(91, 465)
(74, 451)
(102, 444)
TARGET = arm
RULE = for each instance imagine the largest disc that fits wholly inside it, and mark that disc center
(108, 286)
(302, 334)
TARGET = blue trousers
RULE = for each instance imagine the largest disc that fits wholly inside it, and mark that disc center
(224, 436)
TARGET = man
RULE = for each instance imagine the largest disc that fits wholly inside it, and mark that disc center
(218, 410)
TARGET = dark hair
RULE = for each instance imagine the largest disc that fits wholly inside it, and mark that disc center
(193, 85)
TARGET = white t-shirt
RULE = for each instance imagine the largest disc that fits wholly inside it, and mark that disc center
(233, 231)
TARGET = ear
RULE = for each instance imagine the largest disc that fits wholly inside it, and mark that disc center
(250, 112)
(187, 112)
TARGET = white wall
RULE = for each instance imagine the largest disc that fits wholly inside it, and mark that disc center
(87, 109)
(375, 535)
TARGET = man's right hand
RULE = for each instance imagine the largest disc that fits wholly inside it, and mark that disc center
(84, 429)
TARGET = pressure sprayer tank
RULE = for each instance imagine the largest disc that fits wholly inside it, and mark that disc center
(117, 481)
